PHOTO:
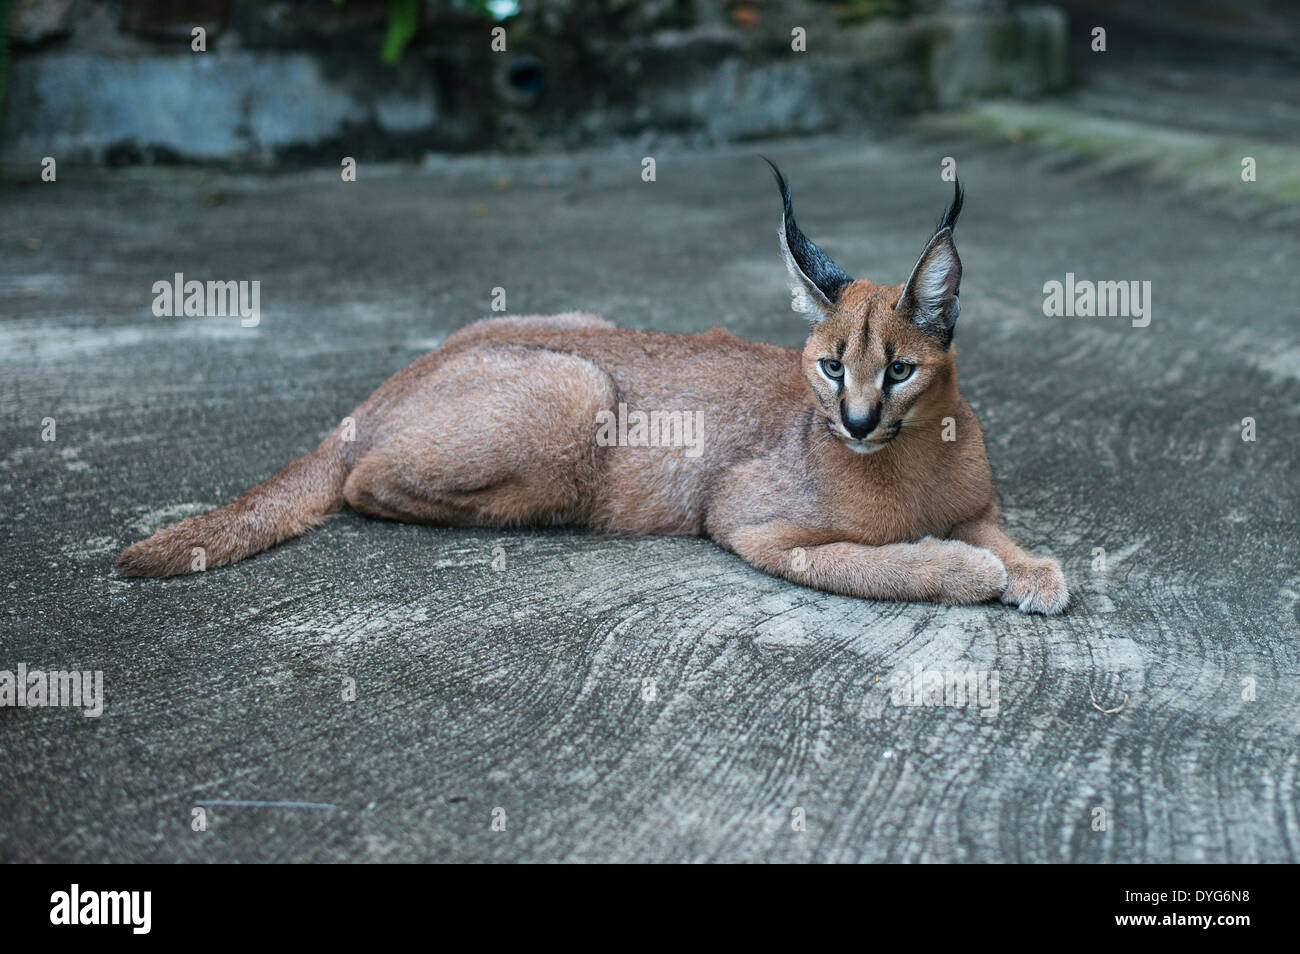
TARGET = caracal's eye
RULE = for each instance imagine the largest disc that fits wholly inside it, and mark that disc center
(832, 368)
(900, 371)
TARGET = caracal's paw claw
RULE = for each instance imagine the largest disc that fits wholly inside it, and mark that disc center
(1036, 586)
(968, 574)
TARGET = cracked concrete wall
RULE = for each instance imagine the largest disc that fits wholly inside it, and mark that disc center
(89, 83)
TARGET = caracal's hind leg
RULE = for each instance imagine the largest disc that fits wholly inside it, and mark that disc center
(493, 435)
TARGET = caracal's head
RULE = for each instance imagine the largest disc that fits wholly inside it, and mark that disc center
(878, 357)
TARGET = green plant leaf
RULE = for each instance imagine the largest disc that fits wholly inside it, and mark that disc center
(403, 21)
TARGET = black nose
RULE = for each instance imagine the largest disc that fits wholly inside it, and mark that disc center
(859, 427)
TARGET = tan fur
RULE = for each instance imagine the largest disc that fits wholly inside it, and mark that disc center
(497, 427)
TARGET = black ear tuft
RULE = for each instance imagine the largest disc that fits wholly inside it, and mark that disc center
(932, 291)
(949, 220)
(815, 281)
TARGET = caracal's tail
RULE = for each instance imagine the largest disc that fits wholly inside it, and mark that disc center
(292, 502)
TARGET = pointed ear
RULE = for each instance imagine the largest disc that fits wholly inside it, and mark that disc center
(932, 290)
(815, 281)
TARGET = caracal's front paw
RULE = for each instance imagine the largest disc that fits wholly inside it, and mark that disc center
(1036, 586)
(967, 574)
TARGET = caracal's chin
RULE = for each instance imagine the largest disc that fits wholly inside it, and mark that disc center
(865, 447)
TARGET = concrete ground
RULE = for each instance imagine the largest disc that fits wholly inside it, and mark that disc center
(644, 699)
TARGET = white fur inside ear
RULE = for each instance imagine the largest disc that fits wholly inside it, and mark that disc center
(805, 297)
(932, 287)
(932, 281)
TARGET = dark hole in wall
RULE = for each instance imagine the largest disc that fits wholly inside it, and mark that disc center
(522, 80)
